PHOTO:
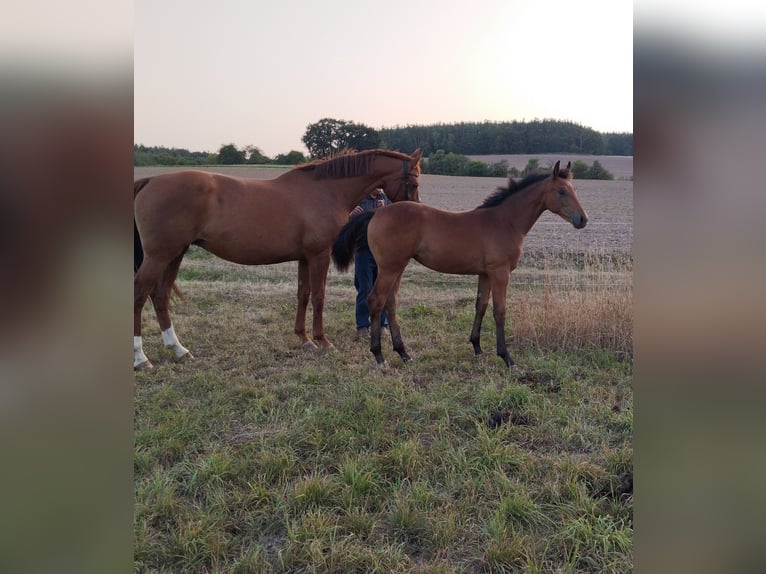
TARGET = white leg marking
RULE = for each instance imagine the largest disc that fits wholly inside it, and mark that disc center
(170, 341)
(138, 353)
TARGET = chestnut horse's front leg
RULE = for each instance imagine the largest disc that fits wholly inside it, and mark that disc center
(482, 299)
(499, 287)
(318, 267)
(304, 291)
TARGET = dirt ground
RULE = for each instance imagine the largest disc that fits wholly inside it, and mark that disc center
(609, 203)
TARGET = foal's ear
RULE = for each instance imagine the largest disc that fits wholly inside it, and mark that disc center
(556, 169)
(416, 155)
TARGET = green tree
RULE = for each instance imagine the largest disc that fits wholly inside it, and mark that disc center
(230, 155)
(580, 169)
(255, 155)
(498, 169)
(533, 165)
(291, 158)
(329, 136)
(476, 168)
(598, 171)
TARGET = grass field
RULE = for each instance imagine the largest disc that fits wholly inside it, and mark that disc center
(259, 457)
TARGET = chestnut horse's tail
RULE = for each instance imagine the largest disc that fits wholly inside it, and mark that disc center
(138, 248)
(353, 235)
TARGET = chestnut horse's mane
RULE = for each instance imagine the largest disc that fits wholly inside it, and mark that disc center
(515, 186)
(347, 163)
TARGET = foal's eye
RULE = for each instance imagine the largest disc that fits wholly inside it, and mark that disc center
(562, 192)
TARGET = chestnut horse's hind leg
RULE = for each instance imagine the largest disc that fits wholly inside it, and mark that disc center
(144, 282)
(482, 299)
(499, 287)
(393, 323)
(304, 292)
(160, 300)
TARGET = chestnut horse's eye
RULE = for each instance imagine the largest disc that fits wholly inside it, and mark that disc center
(562, 192)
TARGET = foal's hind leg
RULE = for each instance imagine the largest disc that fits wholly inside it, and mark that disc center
(482, 299)
(393, 323)
(376, 300)
(160, 300)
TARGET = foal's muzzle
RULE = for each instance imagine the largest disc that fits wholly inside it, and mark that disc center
(579, 221)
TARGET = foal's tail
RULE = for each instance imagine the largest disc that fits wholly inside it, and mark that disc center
(353, 234)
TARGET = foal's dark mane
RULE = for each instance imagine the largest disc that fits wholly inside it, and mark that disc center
(347, 163)
(515, 186)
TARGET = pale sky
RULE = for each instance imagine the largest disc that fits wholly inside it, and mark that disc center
(258, 72)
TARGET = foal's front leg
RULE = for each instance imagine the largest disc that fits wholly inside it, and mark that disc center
(499, 287)
(482, 299)
(393, 323)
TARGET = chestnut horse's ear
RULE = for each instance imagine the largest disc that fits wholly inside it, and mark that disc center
(416, 155)
(569, 165)
(556, 169)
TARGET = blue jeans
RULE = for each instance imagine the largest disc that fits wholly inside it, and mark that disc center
(365, 273)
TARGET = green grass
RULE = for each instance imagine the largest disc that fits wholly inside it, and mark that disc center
(259, 457)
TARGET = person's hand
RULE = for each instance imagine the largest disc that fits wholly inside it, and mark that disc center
(356, 211)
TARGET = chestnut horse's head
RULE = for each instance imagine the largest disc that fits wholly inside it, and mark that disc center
(402, 183)
(561, 198)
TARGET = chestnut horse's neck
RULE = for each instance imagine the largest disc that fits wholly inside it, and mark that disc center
(347, 190)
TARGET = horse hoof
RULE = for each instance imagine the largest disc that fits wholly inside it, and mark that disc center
(184, 357)
(309, 346)
(145, 366)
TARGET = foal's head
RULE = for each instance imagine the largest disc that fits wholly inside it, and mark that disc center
(560, 197)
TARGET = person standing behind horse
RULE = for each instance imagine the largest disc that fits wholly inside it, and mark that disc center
(365, 268)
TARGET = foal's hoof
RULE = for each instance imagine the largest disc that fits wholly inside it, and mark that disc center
(309, 346)
(186, 356)
(145, 366)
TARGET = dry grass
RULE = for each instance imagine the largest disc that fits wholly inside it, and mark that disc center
(259, 457)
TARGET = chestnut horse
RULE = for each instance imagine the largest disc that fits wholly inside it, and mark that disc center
(486, 241)
(295, 216)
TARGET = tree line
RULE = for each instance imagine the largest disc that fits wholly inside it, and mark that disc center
(441, 163)
(228, 154)
(491, 138)
(440, 143)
